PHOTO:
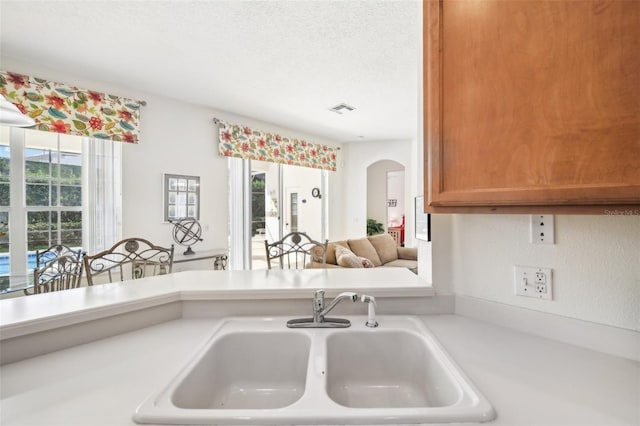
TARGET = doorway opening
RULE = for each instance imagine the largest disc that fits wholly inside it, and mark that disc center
(386, 197)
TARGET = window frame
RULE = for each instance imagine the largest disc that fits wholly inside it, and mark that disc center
(100, 209)
(57, 181)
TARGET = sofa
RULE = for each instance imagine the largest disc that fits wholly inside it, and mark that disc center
(380, 250)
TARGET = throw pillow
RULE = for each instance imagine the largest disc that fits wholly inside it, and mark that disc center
(362, 247)
(331, 251)
(366, 263)
(346, 258)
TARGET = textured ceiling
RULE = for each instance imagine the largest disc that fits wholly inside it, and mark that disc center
(285, 62)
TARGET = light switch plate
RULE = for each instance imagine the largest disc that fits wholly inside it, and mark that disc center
(531, 281)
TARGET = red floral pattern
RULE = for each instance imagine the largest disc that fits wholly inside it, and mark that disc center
(95, 123)
(60, 126)
(67, 109)
(251, 144)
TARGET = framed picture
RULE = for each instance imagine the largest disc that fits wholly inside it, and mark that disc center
(181, 197)
(423, 221)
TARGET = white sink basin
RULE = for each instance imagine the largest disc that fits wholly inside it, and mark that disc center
(386, 369)
(247, 370)
(257, 371)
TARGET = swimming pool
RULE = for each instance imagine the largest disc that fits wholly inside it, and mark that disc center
(5, 262)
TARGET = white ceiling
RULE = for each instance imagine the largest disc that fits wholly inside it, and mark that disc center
(282, 61)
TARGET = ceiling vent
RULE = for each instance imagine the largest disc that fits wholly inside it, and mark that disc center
(341, 108)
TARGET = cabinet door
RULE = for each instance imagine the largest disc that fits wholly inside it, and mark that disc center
(532, 102)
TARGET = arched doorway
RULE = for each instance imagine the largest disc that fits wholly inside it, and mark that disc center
(386, 197)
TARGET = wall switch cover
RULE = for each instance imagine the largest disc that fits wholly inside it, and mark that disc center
(542, 229)
(531, 281)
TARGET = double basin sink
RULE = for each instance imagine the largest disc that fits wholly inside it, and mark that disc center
(256, 371)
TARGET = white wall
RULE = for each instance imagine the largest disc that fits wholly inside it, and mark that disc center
(180, 138)
(595, 262)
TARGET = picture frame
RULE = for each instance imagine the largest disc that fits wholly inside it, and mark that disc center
(181, 197)
(422, 221)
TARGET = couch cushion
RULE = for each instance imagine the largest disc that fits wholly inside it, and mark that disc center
(412, 265)
(385, 246)
(331, 252)
(409, 253)
(346, 258)
(318, 265)
(362, 247)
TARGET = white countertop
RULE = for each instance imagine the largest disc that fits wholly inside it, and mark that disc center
(40, 312)
(529, 380)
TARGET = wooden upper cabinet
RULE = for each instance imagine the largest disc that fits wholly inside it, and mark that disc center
(532, 103)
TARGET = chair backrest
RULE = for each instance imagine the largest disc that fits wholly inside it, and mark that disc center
(45, 256)
(295, 250)
(60, 273)
(129, 259)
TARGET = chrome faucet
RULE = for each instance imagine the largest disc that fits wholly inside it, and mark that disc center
(319, 311)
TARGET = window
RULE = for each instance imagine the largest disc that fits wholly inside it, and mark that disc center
(181, 197)
(258, 204)
(294, 211)
(54, 189)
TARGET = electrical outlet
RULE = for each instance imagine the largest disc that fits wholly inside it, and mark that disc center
(531, 281)
(542, 229)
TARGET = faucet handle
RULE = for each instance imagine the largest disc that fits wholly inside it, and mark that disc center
(318, 301)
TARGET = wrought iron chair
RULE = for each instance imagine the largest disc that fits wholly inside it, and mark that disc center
(130, 258)
(60, 273)
(45, 256)
(295, 250)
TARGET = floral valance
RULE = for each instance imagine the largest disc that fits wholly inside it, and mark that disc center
(250, 144)
(60, 108)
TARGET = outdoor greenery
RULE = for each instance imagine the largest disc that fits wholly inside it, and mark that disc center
(42, 229)
(4, 181)
(257, 203)
(374, 227)
(42, 190)
(45, 189)
(4, 194)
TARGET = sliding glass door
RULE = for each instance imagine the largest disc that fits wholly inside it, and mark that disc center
(264, 212)
(281, 199)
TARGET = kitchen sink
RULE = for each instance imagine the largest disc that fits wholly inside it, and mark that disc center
(258, 371)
